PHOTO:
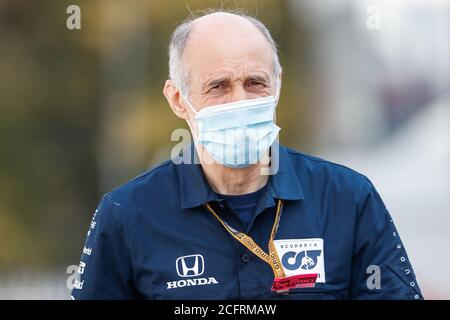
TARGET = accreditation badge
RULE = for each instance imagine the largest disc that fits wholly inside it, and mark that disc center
(302, 261)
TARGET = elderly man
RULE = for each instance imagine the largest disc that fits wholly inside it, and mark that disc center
(251, 219)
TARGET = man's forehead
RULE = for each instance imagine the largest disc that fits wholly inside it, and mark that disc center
(242, 67)
(226, 45)
(223, 26)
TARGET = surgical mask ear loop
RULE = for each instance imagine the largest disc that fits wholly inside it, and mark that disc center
(193, 110)
(189, 104)
(276, 97)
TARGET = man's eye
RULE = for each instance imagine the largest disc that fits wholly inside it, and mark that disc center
(218, 86)
(255, 83)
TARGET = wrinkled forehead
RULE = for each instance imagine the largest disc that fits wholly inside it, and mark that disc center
(231, 45)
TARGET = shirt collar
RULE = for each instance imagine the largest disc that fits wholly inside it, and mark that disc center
(196, 191)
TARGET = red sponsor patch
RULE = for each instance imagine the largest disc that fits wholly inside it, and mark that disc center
(281, 285)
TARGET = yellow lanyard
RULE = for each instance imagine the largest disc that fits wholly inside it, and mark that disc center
(272, 258)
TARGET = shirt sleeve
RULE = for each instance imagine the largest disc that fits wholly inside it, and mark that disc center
(105, 269)
(380, 265)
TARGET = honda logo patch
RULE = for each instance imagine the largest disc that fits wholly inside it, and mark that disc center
(190, 266)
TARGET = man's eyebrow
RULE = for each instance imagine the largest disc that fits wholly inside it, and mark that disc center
(259, 77)
(262, 77)
(213, 82)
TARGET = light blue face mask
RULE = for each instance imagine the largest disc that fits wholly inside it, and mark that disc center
(237, 134)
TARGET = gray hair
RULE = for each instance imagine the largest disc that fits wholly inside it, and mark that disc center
(178, 40)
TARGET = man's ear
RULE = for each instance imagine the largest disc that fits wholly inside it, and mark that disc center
(175, 100)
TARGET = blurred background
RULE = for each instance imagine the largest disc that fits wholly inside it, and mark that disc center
(366, 84)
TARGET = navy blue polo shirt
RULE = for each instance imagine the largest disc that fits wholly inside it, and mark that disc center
(243, 206)
(152, 238)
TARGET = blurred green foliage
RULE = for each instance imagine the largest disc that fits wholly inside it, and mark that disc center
(53, 88)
